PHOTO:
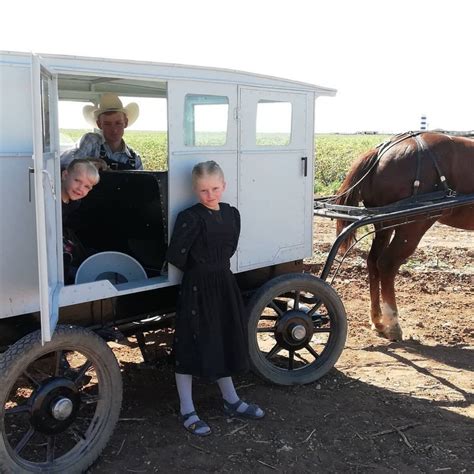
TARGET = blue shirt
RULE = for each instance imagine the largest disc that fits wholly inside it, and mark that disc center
(90, 146)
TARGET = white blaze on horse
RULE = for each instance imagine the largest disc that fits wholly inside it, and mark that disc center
(407, 168)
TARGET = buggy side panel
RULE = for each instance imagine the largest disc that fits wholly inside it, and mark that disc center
(18, 256)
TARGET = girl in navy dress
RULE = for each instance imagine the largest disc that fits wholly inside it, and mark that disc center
(211, 334)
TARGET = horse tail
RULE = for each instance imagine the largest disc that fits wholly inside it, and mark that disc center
(349, 194)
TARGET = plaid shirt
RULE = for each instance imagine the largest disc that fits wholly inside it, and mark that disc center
(89, 146)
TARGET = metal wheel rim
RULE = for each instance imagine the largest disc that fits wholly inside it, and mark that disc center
(324, 323)
(82, 438)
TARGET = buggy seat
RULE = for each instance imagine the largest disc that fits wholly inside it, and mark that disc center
(127, 212)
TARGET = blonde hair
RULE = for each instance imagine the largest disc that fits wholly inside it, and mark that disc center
(85, 165)
(206, 168)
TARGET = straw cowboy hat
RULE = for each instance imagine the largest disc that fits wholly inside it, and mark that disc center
(110, 103)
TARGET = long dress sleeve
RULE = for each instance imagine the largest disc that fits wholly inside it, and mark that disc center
(185, 232)
(237, 228)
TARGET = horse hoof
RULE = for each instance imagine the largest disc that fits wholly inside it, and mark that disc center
(394, 333)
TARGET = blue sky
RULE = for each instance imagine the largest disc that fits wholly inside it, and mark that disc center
(391, 61)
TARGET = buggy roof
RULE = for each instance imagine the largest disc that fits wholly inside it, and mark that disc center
(87, 77)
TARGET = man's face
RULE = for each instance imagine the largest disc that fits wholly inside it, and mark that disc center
(112, 125)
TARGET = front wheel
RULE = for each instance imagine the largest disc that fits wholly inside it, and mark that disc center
(59, 402)
(297, 329)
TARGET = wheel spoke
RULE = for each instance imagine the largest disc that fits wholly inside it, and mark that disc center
(50, 449)
(24, 441)
(322, 330)
(272, 329)
(316, 306)
(268, 317)
(275, 349)
(31, 378)
(311, 351)
(291, 360)
(80, 374)
(297, 300)
(274, 306)
(60, 363)
(18, 409)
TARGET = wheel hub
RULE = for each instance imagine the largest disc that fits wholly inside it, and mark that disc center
(294, 330)
(298, 332)
(62, 408)
(54, 405)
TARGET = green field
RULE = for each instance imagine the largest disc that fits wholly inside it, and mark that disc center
(334, 153)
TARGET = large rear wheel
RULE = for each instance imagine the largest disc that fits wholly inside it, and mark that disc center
(59, 402)
(297, 329)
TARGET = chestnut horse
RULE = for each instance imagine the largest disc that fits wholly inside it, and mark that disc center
(408, 166)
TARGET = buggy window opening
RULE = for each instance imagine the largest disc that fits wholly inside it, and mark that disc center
(273, 125)
(206, 120)
(45, 112)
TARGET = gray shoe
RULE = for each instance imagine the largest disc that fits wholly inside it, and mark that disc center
(251, 412)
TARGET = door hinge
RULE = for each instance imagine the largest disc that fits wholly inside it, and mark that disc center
(237, 113)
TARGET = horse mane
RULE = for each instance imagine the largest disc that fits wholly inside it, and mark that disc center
(349, 194)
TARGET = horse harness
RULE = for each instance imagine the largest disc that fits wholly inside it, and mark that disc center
(130, 164)
(422, 149)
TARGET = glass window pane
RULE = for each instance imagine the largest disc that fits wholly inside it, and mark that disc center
(205, 120)
(273, 123)
(45, 113)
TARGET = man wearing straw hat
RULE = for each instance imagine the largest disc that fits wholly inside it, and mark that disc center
(112, 118)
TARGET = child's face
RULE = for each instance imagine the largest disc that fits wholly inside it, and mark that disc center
(209, 190)
(76, 184)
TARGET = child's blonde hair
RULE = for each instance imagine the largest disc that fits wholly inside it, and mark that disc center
(85, 165)
(206, 168)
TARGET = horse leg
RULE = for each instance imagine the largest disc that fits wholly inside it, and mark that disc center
(403, 244)
(379, 243)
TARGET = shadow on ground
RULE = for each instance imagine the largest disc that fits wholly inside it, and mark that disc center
(338, 424)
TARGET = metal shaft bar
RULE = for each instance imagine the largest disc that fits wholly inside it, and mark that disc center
(404, 214)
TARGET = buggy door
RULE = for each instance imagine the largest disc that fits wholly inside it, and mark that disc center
(275, 176)
(202, 127)
(47, 187)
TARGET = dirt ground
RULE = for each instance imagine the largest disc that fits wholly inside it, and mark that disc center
(385, 407)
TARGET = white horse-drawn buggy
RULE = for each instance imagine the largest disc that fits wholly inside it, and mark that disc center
(61, 389)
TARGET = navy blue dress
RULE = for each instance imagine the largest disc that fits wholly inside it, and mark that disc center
(211, 323)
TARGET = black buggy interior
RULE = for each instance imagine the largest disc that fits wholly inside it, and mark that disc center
(127, 212)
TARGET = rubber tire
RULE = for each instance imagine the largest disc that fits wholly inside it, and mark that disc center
(335, 345)
(29, 349)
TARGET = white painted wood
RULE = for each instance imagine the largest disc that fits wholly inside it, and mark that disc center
(45, 158)
(182, 158)
(18, 253)
(275, 198)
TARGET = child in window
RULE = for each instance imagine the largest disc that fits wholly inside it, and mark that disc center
(77, 180)
(211, 337)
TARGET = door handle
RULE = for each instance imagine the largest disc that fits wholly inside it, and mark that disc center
(304, 159)
(30, 172)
